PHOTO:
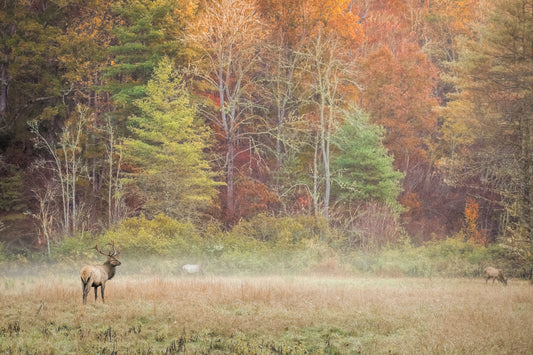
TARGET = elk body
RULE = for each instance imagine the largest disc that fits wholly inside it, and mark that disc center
(97, 276)
(192, 269)
(494, 274)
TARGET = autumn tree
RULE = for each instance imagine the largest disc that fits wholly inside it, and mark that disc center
(494, 105)
(168, 148)
(331, 79)
(444, 23)
(228, 39)
(398, 91)
(307, 39)
(283, 94)
(84, 42)
(51, 61)
(326, 70)
(67, 162)
(471, 228)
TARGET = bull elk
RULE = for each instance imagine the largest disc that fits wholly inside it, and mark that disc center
(494, 274)
(97, 276)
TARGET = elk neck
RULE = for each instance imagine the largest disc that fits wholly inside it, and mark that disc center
(109, 269)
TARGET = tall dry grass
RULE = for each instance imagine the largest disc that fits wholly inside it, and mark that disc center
(266, 315)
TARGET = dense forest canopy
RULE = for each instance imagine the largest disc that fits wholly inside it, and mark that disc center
(385, 118)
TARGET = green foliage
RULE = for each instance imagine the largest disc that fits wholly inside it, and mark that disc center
(364, 169)
(452, 257)
(267, 244)
(162, 245)
(11, 191)
(79, 247)
(168, 147)
(270, 245)
(148, 32)
(263, 245)
(138, 239)
(282, 231)
(3, 255)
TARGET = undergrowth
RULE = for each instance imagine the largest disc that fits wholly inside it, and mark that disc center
(268, 245)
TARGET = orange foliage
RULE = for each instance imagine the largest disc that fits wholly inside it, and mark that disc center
(346, 25)
(458, 13)
(298, 20)
(252, 197)
(411, 201)
(470, 224)
(383, 23)
(399, 94)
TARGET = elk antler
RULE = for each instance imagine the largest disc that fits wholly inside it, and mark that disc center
(115, 252)
(99, 250)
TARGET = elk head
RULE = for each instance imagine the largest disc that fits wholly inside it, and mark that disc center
(112, 255)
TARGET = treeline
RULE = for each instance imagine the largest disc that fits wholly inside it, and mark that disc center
(385, 118)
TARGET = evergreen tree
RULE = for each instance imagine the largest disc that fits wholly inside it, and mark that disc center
(364, 171)
(147, 31)
(30, 83)
(11, 192)
(168, 149)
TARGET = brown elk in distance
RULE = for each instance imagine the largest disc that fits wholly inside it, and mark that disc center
(494, 274)
(97, 276)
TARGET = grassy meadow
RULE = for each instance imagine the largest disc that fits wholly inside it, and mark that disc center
(42, 313)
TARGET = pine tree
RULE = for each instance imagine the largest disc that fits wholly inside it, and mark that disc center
(148, 30)
(364, 170)
(168, 149)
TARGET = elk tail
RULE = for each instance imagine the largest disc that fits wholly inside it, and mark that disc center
(86, 279)
(86, 284)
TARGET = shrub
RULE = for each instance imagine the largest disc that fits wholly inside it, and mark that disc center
(161, 235)
(452, 257)
(270, 245)
(74, 248)
(285, 231)
(267, 244)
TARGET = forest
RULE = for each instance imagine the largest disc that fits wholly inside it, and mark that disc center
(365, 122)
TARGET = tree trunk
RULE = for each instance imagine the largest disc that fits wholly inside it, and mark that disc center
(325, 159)
(3, 91)
(230, 181)
(315, 177)
(526, 152)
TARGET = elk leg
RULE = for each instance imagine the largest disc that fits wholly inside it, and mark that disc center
(85, 290)
(102, 290)
(86, 285)
(95, 293)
